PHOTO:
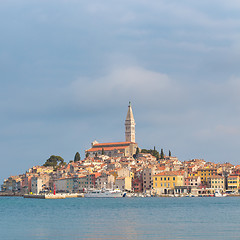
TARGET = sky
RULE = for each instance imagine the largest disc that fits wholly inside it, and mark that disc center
(68, 69)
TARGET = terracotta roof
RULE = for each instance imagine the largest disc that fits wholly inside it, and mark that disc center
(94, 149)
(112, 143)
(170, 173)
(97, 174)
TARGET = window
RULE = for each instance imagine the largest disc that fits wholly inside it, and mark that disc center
(173, 178)
(168, 178)
(155, 184)
(164, 179)
(156, 179)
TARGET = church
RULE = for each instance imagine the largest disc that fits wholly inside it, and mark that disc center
(118, 149)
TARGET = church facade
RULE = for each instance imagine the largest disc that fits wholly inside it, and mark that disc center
(118, 149)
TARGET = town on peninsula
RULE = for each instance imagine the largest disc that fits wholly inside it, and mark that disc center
(129, 168)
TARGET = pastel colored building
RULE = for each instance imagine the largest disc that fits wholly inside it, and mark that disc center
(206, 174)
(147, 179)
(218, 182)
(192, 181)
(233, 182)
(36, 185)
(124, 183)
(165, 182)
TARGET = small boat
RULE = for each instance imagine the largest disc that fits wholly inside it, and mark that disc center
(219, 194)
(105, 193)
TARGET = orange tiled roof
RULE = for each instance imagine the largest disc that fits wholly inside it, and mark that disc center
(111, 143)
(170, 173)
(105, 148)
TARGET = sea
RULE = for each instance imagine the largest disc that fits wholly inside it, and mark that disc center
(119, 218)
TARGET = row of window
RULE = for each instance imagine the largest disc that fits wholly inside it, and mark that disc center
(217, 181)
(166, 178)
(165, 184)
(232, 181)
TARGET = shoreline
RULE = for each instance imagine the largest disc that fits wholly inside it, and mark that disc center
(80, 195)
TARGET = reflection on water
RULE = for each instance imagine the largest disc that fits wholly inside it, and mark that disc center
(125, 218)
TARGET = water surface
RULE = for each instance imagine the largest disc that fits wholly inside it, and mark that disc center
(120, 218)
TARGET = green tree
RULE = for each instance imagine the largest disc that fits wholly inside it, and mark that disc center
(153, 152)
(103, 151)
(54, 161)
(77, 157)
(162, 154)
(87, 154)
(96, 154)
(169, 154)
(137, 151)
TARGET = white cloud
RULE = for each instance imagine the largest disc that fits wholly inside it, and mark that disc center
(125, 83)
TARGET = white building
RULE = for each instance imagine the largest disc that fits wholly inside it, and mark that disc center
(36, 185)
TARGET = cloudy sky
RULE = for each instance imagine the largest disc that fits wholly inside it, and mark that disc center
(68, 69)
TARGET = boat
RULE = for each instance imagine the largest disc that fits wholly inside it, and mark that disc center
(219, 194)
(105, 193)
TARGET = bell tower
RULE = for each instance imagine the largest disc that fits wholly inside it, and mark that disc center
(130, 125)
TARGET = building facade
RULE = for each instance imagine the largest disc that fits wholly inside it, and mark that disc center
(218, 182)
(165, 182)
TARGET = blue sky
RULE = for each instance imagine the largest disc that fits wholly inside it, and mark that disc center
(69, 68)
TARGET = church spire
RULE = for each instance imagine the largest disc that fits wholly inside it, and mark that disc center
(130, 125)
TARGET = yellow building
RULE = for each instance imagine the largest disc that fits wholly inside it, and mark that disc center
(218, 182)
(193, 174)
(233, 182)
(165, 182)
(124, 183)
(206, 174)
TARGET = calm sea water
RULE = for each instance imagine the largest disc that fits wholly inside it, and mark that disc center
(120, 218)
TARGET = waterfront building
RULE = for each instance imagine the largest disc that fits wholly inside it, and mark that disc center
(85, 182)
(118, 149)
(137, 182)
(61, 185)
(206, 174)
(147, 179)
(36, 185)
(233, 182)
(192, 181)
(218, 182)
(165, 182)
(124, 183)
(101, 181)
